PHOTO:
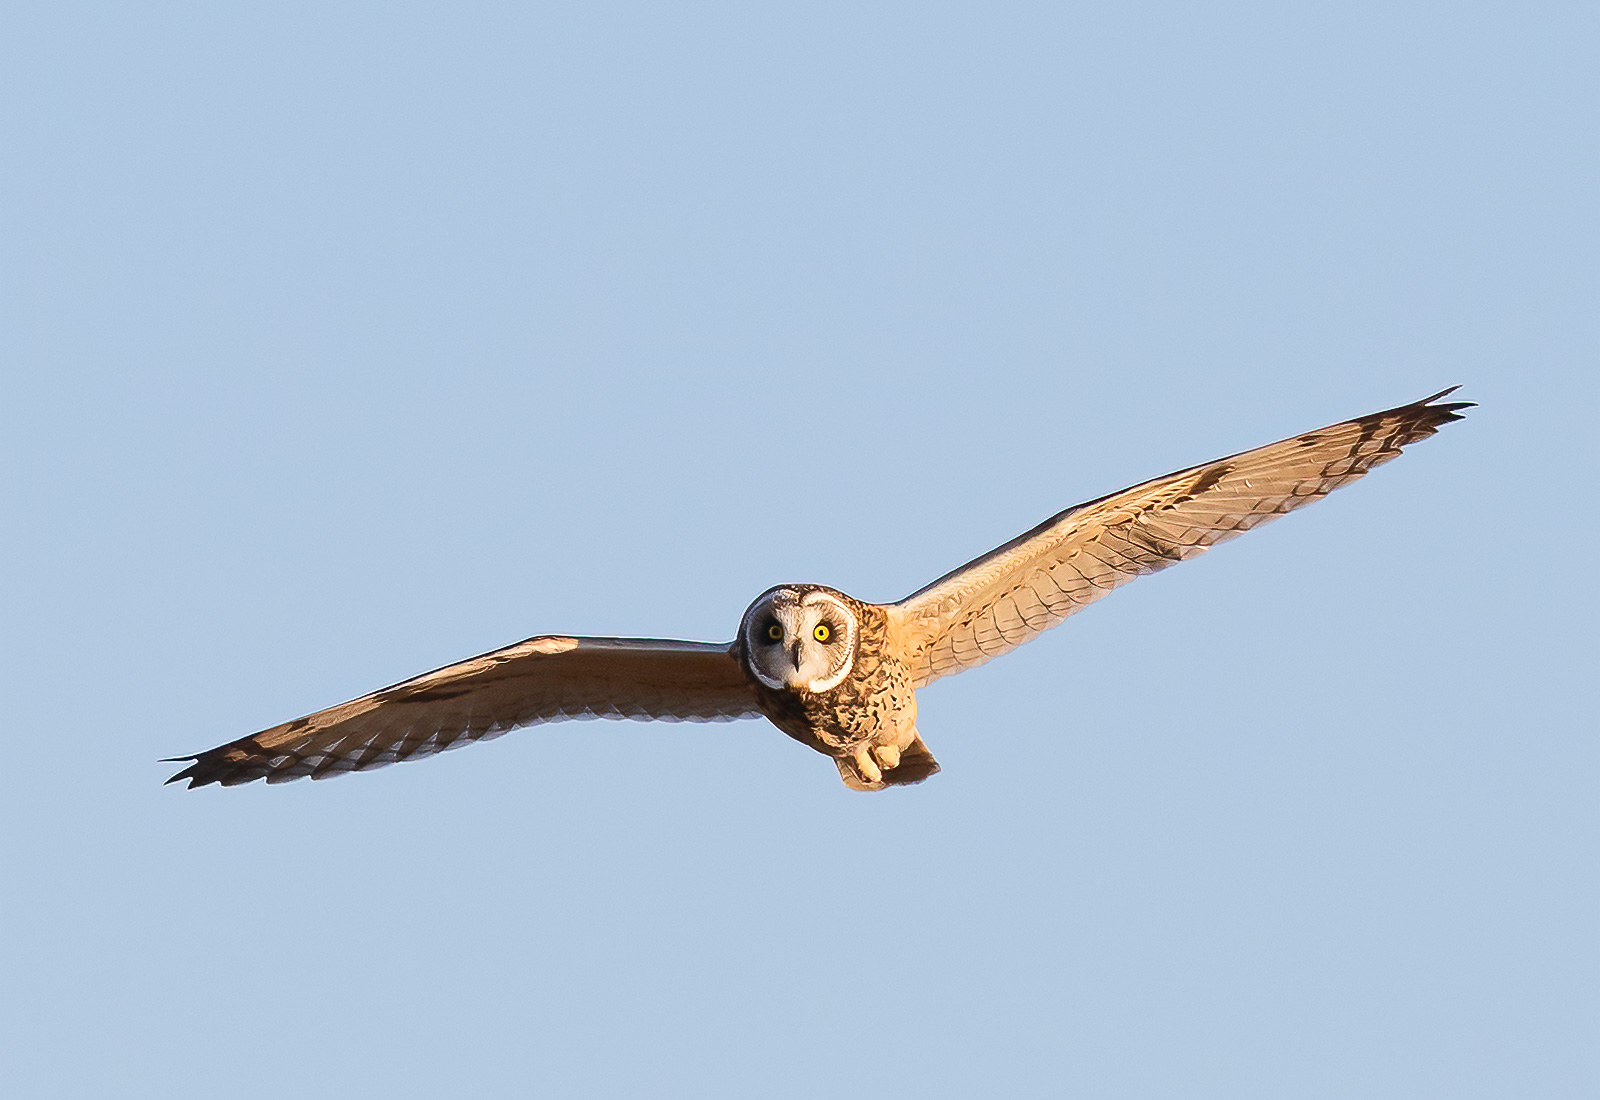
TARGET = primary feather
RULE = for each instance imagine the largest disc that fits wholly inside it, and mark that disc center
(1017, 591)
(538, 680)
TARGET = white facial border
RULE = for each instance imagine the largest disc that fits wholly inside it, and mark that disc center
(779, 603)
(799, 615)
(847, 619)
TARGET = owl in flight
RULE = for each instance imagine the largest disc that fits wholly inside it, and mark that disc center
(830, 671)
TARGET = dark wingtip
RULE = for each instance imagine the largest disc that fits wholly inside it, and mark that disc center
(191, 773)
(1420, 419)
(1451, 409)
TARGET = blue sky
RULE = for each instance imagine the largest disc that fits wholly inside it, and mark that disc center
(342, 341)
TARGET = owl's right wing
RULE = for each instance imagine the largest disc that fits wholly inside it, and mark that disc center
(539, 680)
(1017, 591)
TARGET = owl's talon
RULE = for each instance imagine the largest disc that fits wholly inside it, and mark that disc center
(888, 756)
(866, 765)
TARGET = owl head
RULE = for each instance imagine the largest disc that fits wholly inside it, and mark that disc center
(800, 637)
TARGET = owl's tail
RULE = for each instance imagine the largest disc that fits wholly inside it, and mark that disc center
(916, 764)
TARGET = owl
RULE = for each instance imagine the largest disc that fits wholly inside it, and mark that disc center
(835, 673)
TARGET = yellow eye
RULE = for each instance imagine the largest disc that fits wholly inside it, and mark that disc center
(822, 633)
(775, 632)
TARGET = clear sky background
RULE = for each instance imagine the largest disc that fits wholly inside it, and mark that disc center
(342, 341)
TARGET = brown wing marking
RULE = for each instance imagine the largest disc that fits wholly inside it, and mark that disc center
(1015, 592)
(541, 679)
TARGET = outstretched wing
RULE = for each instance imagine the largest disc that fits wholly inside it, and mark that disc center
(540, 680)
(1017, 591)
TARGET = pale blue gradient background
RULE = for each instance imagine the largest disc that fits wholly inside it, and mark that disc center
(345, 340)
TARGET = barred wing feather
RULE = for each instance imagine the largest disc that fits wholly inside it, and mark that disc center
(539, 680)
(1017, 591)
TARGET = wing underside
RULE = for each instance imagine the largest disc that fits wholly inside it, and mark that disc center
(542, 679)
(1017, 591)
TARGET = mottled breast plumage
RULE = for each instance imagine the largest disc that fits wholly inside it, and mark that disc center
(874, 693)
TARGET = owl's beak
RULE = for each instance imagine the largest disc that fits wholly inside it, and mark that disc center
(794, 656)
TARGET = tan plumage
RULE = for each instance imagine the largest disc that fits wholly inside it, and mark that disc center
(539, 680)
(1017, 591)
(834, 673)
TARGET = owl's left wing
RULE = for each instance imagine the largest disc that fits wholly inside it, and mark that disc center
(1017, 591)
(539, 680)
